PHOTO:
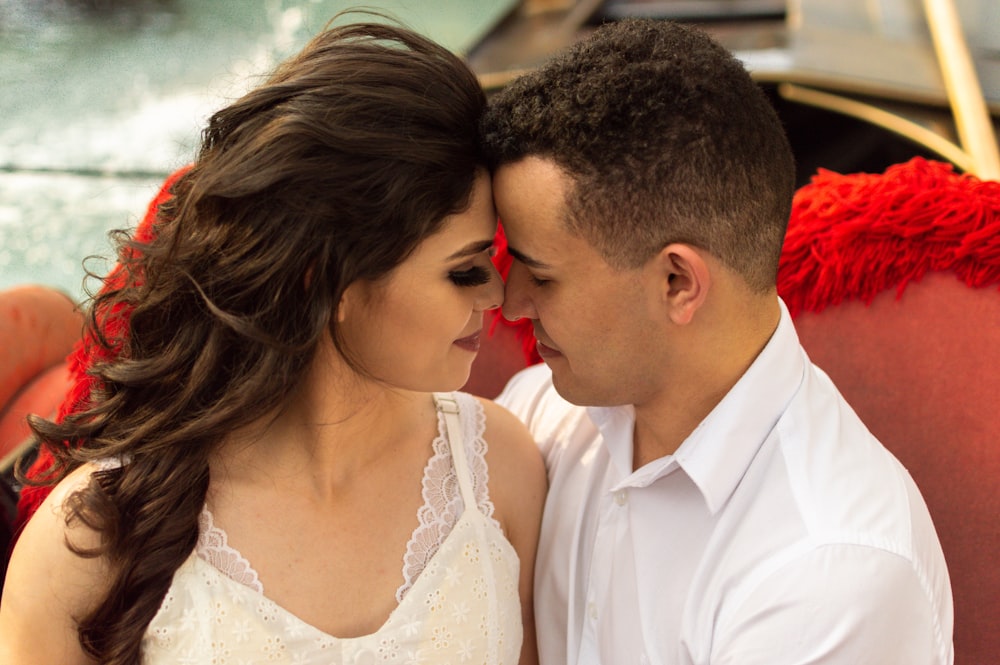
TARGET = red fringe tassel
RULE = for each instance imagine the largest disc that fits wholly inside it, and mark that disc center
(854, 236)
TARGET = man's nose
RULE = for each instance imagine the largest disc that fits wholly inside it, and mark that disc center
(517, 299)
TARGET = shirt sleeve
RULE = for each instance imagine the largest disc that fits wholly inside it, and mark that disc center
(834, 605)
(526, 395)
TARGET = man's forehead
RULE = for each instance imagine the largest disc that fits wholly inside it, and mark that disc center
(530, 194)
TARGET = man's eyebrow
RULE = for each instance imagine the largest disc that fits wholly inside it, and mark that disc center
(472, 249)
(527, 260)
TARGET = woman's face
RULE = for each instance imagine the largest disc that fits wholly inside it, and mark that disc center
(418, 328)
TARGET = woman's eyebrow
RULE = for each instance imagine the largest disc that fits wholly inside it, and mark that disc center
(472, 248)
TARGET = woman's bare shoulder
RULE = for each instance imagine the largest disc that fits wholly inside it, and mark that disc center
(508, 438)
(49, 585)
(52, 521)
(517, 472)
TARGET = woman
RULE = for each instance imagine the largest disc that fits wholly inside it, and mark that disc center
(262, 471)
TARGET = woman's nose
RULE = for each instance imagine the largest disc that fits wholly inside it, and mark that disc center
(517, 303)
(493, 291)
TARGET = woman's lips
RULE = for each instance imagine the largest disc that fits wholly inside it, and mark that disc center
(470, 343)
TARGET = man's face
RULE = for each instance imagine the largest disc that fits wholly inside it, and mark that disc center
(596, 326)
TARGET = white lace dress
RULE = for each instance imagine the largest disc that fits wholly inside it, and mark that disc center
(458, 602)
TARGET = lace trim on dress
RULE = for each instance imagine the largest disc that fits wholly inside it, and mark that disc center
(213, 547)
(443, 504)
(441, 510)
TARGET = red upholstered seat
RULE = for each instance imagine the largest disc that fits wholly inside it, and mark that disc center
(923, 372)
(41, 396)
(38, 327)
(892, 280)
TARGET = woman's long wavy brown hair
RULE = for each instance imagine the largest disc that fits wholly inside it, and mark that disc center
(332, 171)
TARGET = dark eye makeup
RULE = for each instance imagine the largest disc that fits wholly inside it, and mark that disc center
(475, 276)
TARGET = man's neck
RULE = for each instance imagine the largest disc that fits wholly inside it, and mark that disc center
(665, 421)
(661, 431)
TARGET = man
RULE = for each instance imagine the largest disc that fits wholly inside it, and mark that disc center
(712, 497)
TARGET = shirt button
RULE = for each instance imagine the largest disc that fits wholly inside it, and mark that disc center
(621, 497)
(592, 611)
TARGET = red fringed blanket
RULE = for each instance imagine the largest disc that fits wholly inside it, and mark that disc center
(854, 236)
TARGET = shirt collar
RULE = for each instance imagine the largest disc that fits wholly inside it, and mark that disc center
(718, 452)
(616, 424)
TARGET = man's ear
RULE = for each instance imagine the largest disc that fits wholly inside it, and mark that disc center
(685, 281)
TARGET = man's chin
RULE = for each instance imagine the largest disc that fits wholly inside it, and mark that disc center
(575, 391)
(570, 389)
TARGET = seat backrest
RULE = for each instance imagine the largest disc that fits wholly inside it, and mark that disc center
(892, 281)
(38, 327)
(923, 372)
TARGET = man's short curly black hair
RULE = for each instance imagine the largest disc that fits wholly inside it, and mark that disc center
(667, 139)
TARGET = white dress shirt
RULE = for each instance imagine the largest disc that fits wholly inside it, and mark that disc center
(780, 532)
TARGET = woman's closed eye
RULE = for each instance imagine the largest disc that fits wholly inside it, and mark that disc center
(474, 276)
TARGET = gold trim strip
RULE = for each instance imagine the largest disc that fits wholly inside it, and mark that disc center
(880, 118)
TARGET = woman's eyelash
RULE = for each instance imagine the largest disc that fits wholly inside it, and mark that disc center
(475, 276)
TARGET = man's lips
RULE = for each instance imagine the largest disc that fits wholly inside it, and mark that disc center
(544, 350)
